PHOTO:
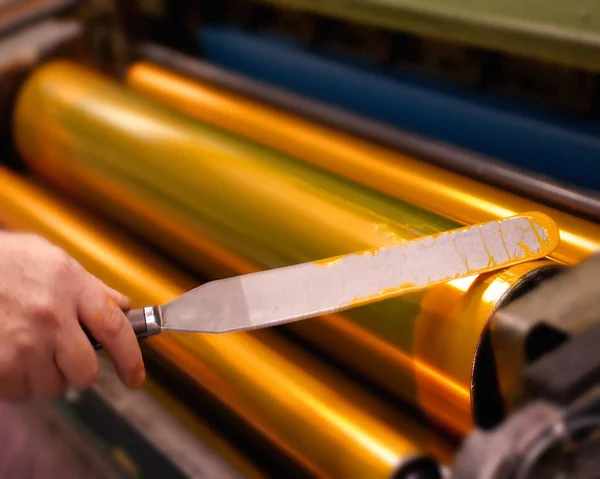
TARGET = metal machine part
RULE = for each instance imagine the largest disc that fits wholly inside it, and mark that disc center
(453, 115)
(473, 165)
(487, 401)
(554, 428)
(38, 440)
(156, 444)
(508, 27)
(369, 37)
(534, 325)
(17, 14)
(26, 48)
(540, 441)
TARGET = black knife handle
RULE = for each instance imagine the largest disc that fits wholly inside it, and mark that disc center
(144, 321)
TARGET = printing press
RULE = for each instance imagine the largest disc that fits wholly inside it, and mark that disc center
(167, 144)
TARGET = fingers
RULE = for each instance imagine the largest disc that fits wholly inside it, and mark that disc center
(106, 322)
(122, 301)
(44, 375)
(44, 294)
(75, 355)
(45, 378)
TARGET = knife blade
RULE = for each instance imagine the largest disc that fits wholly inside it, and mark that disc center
(281, 295)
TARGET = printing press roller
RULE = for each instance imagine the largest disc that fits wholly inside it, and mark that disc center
(228, 206)
(382, 169)
(229, 91)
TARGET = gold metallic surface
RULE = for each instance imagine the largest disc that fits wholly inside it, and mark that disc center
(462, 199)
(444, 377)
(322, 421)
(228, 206)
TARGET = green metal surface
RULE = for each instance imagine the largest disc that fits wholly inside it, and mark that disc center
(560, 31)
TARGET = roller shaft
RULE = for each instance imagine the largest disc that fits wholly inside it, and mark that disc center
(449, 194)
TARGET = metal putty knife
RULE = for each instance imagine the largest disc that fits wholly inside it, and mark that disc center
(282, 295)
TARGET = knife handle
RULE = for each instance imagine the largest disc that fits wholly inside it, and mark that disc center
(144, 321)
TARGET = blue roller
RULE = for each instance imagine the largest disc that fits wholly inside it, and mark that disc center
(523, 135)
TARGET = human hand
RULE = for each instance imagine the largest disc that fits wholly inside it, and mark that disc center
(45, 296)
